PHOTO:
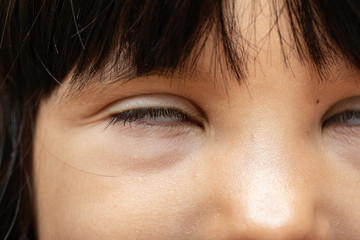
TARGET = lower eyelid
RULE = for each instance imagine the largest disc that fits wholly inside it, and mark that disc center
(344, 130)
(154, 124)
(115, 119)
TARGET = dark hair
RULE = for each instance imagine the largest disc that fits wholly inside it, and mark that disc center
(42, 41)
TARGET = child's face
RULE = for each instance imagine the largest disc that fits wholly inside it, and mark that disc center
(203, 157)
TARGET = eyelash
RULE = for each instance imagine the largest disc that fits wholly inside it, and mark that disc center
(344, 117)
(136, 116)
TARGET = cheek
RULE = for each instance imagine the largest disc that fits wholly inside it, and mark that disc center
(341, 182)
(115, 151)
(90, 186)
(344, 146)
(144, 151)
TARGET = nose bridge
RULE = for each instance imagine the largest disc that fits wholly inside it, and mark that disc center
(269, 192)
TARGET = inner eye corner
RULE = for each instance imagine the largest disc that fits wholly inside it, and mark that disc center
(325, 123)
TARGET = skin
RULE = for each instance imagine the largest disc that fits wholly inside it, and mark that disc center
(261, 165)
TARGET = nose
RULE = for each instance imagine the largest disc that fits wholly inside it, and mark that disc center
(271, 208)
(268, 195)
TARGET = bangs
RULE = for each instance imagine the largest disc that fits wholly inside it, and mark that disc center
(149, 37)
(132, 38)
(167, 36)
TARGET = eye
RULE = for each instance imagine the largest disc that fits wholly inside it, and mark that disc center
(156, 116)
(157, 110)
(345, 113)
(348, 117)
(341, 131)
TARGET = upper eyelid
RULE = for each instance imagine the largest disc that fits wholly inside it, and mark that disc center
(344, 115)
(142, 112)
(181, 103)
(188, 119)
(341, 106)
(188, 116)
(168, 101)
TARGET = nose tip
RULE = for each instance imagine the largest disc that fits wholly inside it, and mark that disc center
(284, 222)
(302, 226)
(268, 191)
(272, 208)
(278, 214)
(270, 217)
(280, 211)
